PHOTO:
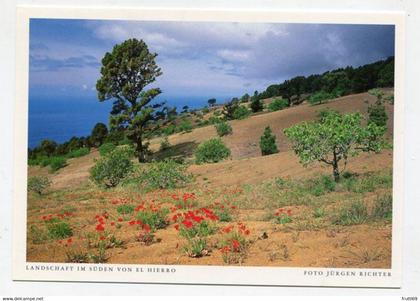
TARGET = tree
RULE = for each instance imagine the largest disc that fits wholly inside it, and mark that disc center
(376, 111)
(256, 103)
(211, 102)
(229, 109)
(125, 73)
(185, 109)
(334, 138)
(245, 97)
(268, 142)
(48, 147)
(98, 135)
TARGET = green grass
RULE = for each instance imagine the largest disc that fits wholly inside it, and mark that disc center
(354, 213)
(125, 209)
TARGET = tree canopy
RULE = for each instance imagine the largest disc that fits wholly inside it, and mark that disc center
(125, 73)
(334, 138)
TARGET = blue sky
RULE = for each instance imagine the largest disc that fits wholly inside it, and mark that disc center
(206, 60)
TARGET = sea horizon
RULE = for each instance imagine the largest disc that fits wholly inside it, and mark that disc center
(62, 118)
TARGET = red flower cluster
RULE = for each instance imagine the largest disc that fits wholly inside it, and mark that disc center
(191, 218)
(282, 211)
(240, 228)
(187, 200)
(59, 215)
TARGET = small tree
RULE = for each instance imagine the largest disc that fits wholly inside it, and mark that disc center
(334, 138)
(229, 109)
(211, 151)
(211, 102)
(377, 112)
(268, 142)
(112, 168)
(256, 105)
(125, 72)
(98, 135)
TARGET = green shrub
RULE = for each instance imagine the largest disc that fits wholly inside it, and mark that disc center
(58, 229)
(164, 143)
(106, 148)
(241, 112)
(223, 128)
(322, 185)
(165, 175)
(383, 207)
(214, 120)
(278, 104)
(57, 162)
(268, 142)
(38, 184)
(377, 114)
(320, 97)
(83, 151)
(169, 130)
(125, 209)
(111, 169)
(156, 219)
(256, 105)
(185, 126)
(352, 214)
(211, 151)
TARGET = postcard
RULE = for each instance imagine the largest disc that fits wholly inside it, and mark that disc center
(209, 147)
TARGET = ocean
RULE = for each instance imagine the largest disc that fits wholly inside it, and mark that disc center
(60, 119)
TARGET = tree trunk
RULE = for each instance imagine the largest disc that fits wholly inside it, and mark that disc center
(140, 151)
(336, 171)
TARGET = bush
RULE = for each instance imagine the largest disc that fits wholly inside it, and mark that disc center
(211, 151)
(111, 169)
(268, 142)
(377, 114)
(278, 104)
(57, 162)
(165, 174)
(257, 105)
(320, 97)
(241, 113)
(185, 126)
(169, 130)
(106, 148)
(83, 151)
(223, 128)
(38, 184)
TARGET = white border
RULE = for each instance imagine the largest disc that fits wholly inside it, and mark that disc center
(202, 274)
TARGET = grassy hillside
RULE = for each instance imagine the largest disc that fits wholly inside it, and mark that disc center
(328, 224)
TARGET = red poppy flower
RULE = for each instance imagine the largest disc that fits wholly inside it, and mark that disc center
(132, 223)
(236, 245)
(289, 212)
(102, 238)
(99, 228)
(188, 224)
(146, 228)
(70, 240)
(120, 219)
(112, 223)
(176, 227)
(247, 232)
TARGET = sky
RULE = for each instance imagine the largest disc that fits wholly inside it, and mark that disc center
(206, 60)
